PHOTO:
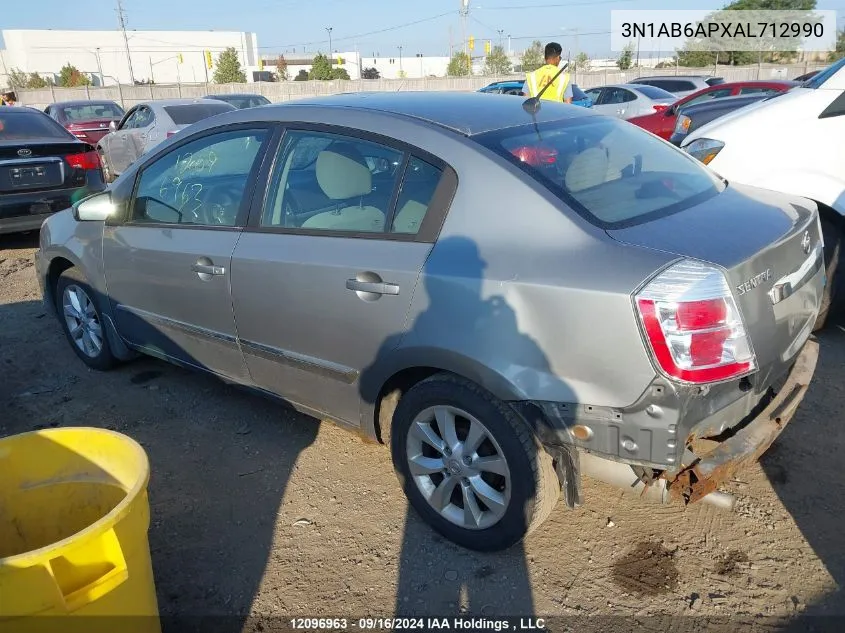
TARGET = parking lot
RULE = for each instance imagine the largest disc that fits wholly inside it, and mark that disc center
(260, 510)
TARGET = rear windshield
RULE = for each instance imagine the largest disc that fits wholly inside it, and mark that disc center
(246, 102)
(90, 111)
(193, 112)
(611, 172)
(23, 124)
(652, 92)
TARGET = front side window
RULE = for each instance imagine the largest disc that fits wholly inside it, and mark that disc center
(755, 91)
(653, 92)
(203, 182)
(617, 95)
(193, 112)
(611, 172)
(713, 94)
(130, 122)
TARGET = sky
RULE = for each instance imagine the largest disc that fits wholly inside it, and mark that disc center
(377, 27)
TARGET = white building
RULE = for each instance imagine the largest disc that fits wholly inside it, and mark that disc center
(102, 55)
(353, 62)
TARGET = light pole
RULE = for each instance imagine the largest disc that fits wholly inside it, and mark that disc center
(400, 59)
(100, 67)
(420, 55)
(500, 32)
(331, 55)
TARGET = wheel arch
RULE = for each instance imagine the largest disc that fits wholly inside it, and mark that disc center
(383, 384)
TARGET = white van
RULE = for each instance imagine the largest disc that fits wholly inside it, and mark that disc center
(793, 142)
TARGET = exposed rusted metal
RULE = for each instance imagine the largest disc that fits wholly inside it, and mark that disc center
(749, 443)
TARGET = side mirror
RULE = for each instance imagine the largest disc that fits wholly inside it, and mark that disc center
(96, 208)
(112, 126)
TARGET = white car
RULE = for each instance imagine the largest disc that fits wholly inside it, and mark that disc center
(794, 143)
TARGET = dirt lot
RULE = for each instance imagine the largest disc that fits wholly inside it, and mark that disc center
(260, 510)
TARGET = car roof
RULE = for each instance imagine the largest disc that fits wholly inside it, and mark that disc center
(702, 77)
(170, 102)
(233, 94)
(469, 113)
(723, 102)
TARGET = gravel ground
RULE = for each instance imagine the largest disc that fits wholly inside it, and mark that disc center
(259, 510)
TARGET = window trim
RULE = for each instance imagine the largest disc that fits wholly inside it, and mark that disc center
(252, 182)
(435, 216)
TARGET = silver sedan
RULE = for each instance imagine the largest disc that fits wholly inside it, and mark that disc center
(146, 125)
(629, 100)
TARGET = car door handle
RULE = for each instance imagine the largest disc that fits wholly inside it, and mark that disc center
(208, 269)
(376, 287)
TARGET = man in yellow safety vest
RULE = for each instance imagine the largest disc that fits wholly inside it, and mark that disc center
(561, 88)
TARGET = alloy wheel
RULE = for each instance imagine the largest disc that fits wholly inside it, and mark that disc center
(82, 321)
(458, 467)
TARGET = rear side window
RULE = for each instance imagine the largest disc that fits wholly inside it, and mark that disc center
(193, 112)
(714, 81)
(20, 124)
(652, 92)
(611, 172)
(672, 85)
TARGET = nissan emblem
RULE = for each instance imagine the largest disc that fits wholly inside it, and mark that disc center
(24, 152)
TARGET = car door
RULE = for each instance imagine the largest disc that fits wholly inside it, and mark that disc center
(616, 101)
(167, 263)
(137, 138)
(320, 283)
(116, 144)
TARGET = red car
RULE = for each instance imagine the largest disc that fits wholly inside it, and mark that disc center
(663, 123)
(86, 120)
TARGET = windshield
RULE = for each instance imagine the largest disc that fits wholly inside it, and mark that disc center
(193, 112)
(653, 92)
(246, 102)
(88, 111)
(817, 80)
(611, 172)
(21, 124)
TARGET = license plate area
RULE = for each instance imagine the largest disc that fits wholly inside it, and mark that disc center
(28, 176)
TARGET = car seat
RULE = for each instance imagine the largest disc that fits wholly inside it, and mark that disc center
(342, 174)
(588, 169)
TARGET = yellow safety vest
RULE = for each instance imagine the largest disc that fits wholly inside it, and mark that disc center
(539, 78)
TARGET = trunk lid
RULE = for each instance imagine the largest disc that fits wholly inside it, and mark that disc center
(39, 165)
(770, 247)
(91, 129)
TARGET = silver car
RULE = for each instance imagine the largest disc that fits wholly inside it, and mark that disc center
(508, 300)
(679, 85)
(146, 125)
(629, 100)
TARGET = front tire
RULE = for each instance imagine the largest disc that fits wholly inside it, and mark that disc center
(469, 465)
(82, 320)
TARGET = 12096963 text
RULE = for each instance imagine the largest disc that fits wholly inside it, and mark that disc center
(418, 624)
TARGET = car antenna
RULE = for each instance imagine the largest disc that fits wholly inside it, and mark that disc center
(532, 104)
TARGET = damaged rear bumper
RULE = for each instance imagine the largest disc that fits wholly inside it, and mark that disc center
(701, 475)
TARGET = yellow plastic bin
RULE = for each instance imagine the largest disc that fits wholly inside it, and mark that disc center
(74, 516)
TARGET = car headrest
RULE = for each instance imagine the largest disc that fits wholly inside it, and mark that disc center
(587, 169)
(342, 172)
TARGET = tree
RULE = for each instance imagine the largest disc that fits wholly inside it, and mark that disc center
(228, 69)
(18, 78)
(532, 58)
(36, 81)
(370, 73)
(459, 65)
(70, 77)
(497, 62)
(302, 75)
(321, 68)
(339, 73)
(282, 73)
(839, 53)
(582, 62)
(626, 57)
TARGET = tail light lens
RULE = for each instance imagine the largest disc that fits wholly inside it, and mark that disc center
(86, 160)
(693, 325)
(536, 156)
(682, 124)
(172, 133)
(660, 107)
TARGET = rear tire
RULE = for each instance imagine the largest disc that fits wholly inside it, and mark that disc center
(483, 493)
(832, 256)
(82, 320)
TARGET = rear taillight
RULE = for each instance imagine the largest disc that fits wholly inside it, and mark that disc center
(682, 124)
(660, 108)
(172, 133)
(693, 325)
(536, 155)
(86, 160)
